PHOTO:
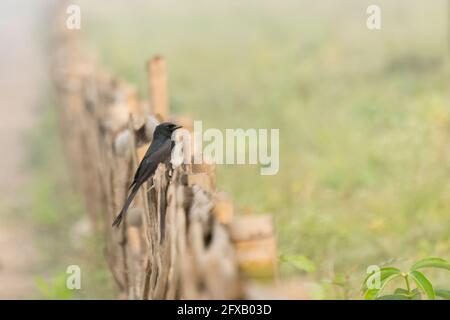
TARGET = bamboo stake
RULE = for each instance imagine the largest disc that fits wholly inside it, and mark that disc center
(158, 88)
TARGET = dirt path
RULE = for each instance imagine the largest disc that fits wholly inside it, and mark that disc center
(21, 81)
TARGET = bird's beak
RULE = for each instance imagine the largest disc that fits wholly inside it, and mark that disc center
(177, 127)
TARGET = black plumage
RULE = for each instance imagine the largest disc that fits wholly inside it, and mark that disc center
(159, 152)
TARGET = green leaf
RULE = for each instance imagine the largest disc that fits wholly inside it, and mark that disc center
(431, 263)
(393, 297)
(300, 262)
(413, 295)
(401, 291)
(384, 273)
(445, 294)
(423, 283)
(371, 294)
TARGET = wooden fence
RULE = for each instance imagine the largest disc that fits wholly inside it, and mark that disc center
(182, 238)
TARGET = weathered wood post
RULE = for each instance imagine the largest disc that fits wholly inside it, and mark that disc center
(159, 102)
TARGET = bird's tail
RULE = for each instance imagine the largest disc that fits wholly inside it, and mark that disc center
(123, 212)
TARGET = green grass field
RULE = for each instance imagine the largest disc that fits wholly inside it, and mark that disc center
(363, 115)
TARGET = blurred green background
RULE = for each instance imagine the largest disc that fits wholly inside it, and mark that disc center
(364, 121)
(363, 115)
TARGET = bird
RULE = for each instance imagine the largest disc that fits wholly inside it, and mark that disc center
(159, 151)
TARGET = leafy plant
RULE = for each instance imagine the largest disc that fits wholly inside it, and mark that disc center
(412, 277)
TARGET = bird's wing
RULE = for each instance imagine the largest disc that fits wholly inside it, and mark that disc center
(145, 170)
(149, 164)
(154, 147)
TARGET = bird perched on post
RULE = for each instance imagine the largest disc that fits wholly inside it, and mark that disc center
(159, 151)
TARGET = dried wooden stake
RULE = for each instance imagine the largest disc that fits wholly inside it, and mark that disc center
(201, 179)
(255, 244)
(158, 88)
(223, 208)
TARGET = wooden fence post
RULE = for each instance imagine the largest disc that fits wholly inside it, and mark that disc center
(158, 88)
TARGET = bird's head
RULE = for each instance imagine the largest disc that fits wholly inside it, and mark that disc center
(165, 129)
